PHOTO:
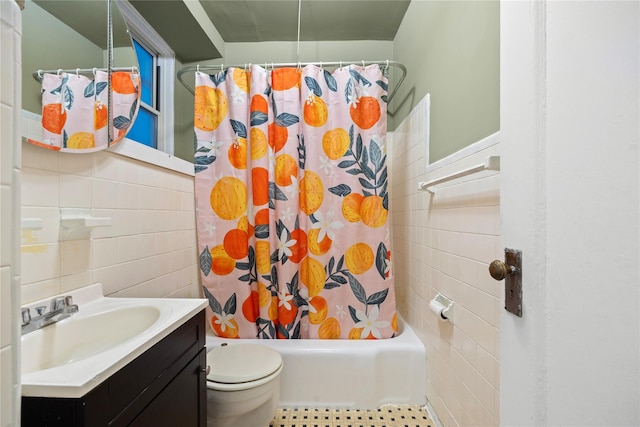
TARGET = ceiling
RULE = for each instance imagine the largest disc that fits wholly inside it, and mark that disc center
(88, 18)
(253, 21)
(249, 21)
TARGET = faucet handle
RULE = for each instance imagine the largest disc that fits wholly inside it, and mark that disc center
(26, 316)
(57, 303)
(70, 306)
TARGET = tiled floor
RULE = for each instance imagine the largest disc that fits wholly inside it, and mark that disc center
(387, 416)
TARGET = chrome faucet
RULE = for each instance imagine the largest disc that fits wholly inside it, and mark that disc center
(60, 308)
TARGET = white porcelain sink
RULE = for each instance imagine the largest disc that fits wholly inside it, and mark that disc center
(72, 356)
(77, 338)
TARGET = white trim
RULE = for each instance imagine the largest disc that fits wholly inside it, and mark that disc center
(32, 128)
(166, 105)
(142, 30)
(491, 163)
(150, 108)
(145, 34)
(467, 151)
(143, 153)
(200, 15)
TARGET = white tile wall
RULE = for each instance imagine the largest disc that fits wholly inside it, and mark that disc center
(10, 106)
(150, 248)
(443, 243)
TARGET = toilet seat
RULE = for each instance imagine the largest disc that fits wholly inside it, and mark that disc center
(241, 366)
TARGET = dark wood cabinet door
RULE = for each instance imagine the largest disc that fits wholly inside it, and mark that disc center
(180, 404)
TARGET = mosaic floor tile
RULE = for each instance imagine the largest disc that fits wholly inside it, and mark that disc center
(386, 416)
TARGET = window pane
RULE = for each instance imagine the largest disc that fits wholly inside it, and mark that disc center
(145, 61)
(145, 128)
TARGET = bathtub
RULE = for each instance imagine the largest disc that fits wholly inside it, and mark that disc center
(347, 374)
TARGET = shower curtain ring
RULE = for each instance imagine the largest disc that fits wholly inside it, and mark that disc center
(59, 71)
(77, 72)
(221, 67)
(363, 63)
(321, 65)
(95, 70)
(198, 68)
(40, 74)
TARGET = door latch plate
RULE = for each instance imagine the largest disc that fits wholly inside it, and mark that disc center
(513, 282)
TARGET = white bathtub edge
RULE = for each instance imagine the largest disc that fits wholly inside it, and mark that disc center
(349, 374)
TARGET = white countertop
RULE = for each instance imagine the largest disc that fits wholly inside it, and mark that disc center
(79, 375)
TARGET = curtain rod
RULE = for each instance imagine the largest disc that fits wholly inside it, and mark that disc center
(38, 74)
(221, 67)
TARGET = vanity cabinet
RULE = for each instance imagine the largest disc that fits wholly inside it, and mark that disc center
(164, 386)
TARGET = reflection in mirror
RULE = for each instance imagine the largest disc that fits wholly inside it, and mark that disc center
(72, 35)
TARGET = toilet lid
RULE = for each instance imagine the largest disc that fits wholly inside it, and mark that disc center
(241, 363)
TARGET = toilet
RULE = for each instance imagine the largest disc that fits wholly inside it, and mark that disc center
(243, 385)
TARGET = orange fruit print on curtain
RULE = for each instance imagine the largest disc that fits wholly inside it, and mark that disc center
(292, 203)
(74, 109)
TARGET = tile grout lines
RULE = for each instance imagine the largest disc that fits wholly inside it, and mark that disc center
(386, 416)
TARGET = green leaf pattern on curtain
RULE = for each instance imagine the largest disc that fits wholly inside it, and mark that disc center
(292, 203)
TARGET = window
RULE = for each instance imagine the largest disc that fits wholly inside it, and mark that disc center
(153, 125)
(145, 127)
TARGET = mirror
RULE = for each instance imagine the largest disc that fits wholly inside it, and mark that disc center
(71, 35)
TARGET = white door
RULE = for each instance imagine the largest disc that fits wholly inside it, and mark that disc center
(570, 201)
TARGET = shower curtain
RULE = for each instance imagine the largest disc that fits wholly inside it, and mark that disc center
(74, 109)
(292, 202)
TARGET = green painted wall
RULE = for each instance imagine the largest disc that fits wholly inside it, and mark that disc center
(452, 51)
(183, 135)
(47, 43)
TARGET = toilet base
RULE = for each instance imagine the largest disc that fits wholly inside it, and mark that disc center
(247, 408)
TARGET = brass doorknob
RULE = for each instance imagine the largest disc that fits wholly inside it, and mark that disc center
(499, 270)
